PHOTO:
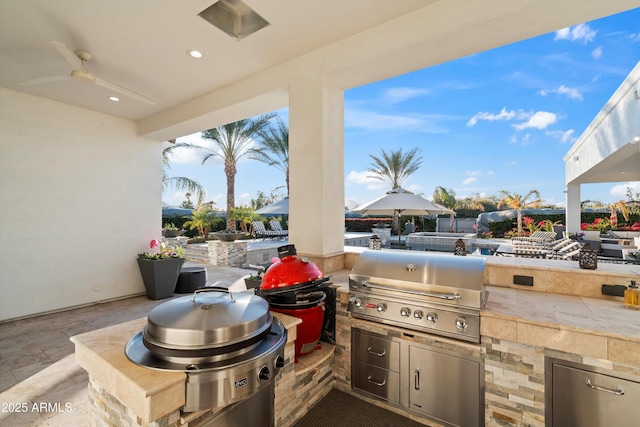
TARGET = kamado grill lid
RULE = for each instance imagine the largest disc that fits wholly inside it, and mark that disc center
(290, 273)
(210, 318)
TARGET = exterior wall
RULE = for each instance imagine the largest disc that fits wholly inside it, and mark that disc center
(83, 192)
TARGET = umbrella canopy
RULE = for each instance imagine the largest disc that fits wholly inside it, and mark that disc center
(171, 212)
(281, 207)
(401, 202)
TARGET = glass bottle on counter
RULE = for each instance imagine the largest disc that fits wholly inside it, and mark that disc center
(632, 296)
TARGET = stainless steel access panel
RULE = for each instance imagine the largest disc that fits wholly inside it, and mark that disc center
(577, 395)
(446, 387)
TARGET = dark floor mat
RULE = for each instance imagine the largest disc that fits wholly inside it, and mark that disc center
(339, 409)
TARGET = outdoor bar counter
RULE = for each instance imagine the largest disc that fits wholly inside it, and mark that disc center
(519, 327)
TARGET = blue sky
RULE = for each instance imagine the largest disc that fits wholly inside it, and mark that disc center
(498, 120)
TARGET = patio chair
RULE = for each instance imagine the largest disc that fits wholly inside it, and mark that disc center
(530, 249)
(537, 236)
(565, 249)
(277, 227)
(259, 231)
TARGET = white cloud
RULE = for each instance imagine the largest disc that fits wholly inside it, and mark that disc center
(538, 120)
(469, 180)
(175, 198)
(581, 32)
(563, 136)
(364, 178)
(635, 37)
(502, 115)
(597, 52)
(399, 94)
(187, 155)
(523, 140)
(374, 121)
(414, 188)
(620, 190)
(571, 93)
(490, 172)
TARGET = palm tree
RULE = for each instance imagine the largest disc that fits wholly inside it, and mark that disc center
(519, 202)
(179, 182)
(395, 167)
(201, 220)
(446, 198)
(231, 142)
(273, 148)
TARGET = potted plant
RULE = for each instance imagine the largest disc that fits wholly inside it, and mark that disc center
(160, 270)
(254, 280)
(228, 235)
(170, 230)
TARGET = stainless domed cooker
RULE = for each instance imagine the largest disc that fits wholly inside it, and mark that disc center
(215, 336)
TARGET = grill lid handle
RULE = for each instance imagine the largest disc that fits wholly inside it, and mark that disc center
(212, 289)
(449, 297)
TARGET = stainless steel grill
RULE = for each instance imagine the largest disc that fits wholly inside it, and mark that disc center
(436, 293)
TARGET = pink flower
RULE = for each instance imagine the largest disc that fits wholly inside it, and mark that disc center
(154, 243)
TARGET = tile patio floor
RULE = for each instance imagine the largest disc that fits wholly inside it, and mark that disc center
(38, 372)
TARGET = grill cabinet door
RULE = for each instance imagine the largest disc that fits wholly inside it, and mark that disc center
(603, 401)
(446, 387)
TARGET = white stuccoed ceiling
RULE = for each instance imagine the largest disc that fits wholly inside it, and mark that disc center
(142, 44)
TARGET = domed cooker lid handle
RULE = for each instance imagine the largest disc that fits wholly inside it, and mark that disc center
(212, 289)
(286, 250)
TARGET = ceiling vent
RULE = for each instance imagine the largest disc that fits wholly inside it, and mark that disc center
(234, 17)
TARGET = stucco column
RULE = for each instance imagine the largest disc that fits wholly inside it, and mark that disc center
(573, 208)
(316, 165)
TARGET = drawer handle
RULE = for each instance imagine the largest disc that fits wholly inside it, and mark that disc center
(376, 354)
(375, 382)
(618, 392)
(416, 379)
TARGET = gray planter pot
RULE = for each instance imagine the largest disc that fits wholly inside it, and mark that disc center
(252, 284)
(173, 233)
(160, 276)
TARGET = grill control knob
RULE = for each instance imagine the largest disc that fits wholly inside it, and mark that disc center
(405, 312)
(418, 314)
(432, 317)
(279, 362)
(264, 374)
(381, 307)
(358, 302)
(461, 323)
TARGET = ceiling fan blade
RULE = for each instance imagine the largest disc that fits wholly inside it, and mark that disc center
(43, 80)
(69, 55)
(123, 91)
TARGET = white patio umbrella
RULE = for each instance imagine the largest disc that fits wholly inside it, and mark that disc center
(401, 202)
(281, 207)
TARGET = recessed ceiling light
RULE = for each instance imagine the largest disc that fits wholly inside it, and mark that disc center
(195, 53)
(114, 98)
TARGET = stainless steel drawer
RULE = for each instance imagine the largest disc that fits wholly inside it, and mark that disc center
(375, 350)
(378, 381)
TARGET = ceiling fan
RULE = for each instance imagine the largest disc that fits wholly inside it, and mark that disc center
(78, 60)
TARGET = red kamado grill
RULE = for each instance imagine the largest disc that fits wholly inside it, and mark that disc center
(293, 286)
